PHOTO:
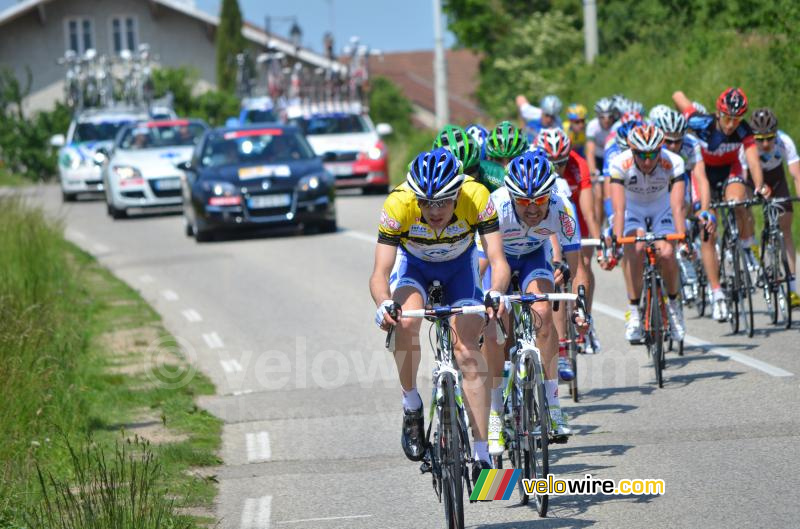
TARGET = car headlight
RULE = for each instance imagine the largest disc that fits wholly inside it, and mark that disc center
(308, 183)
(377, 151)
(126, 172)
(69, 160)
(220, 189)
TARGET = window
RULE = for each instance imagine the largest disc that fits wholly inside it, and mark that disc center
(124, 33)
(79, 33)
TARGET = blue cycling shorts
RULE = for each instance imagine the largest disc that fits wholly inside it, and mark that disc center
(534, 265)
(459, 277)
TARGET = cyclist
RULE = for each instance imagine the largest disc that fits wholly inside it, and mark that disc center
(575, 127)
(720, 137)
(425, 234)
(503, 143)
(544, 116)
(462, 145)
(674, 126)
(647, 182)
(597, 132)
(478, 133)
(616, 145)
(572, 168)
(530, 211)
(774, 148)
(656, 112)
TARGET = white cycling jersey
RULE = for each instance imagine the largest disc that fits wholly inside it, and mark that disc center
(783, 150)
(520, 239)
(597, 134)
(643, 188)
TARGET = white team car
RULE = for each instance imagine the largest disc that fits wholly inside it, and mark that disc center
(141, 171)
(91, 131)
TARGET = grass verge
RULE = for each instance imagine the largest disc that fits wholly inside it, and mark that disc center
(95, 391)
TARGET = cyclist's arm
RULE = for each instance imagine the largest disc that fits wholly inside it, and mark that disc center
(586, 201)
(555, 247)
(703, 187)
(617, 190)
(794, 170)
(493, 247)
(385, 255)
(578, 270)
(682, 102)
(591, 148)
(754, 165)
(677, 196)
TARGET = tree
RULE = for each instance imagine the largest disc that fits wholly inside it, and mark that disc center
(230, 42)
(388, 104)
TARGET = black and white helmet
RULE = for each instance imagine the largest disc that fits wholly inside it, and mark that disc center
(672, 123)
(604, 106)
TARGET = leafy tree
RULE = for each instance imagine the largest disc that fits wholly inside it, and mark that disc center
(230, 42)
(388, 104)
(179, 81)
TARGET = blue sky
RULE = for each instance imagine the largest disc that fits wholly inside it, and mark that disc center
(389, 25)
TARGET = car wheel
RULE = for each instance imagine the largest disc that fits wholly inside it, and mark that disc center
(203, 235)
(328, 226)
(187, 227)
(68, 197)
(115, 213)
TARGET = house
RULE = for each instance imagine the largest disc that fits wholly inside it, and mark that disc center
(35, 33)
(413, 73)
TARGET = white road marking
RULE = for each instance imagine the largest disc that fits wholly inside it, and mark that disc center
(192, 315)
(719, 351)
(170, 295)
(258, 447)
(231, 366)
(324, 519)
(242, 392)
(146, 278)
(361, 236)
(256, 513)
(213, 340)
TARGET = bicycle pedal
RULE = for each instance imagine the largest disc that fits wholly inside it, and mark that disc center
(425, 467)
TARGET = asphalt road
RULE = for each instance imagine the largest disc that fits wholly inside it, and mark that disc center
(284, 327)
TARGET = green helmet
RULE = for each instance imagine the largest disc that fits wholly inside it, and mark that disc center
(506, 141)
(457, 141)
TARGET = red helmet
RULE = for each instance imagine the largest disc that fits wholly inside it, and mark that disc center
(732, 102)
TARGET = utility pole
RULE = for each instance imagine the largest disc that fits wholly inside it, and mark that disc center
(590, 29)
(439, 68)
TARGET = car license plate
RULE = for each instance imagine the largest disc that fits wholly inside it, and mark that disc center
(165, 185)
(269, 201)
(340, 169)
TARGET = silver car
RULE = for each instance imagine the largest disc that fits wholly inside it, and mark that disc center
(141, 171)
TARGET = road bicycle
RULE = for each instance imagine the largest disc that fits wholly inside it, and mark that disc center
(694, 281)
(526, 420)
(448, 456)
(734, 267)
(776, 276)
(653, 306)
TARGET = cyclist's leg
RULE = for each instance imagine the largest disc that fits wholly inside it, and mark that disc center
(462, 286)
(776, 180)
(407, 283)
(633, 257)
(736, 189)
(667, 262)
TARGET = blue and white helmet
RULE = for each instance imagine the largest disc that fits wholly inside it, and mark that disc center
(622, 133)
(435, 175)
(551, 105)
(530, 175)
(657, 111)
(479, 133)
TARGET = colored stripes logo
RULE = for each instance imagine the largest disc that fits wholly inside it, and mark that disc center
(495, 485)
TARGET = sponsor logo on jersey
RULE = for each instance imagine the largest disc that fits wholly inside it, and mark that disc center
(665, 163)
(543, 231)
(388, 222)
(627, 163)
(487, 212)
(567, 225)
(512, 232)
(456, 229)
(418, 230)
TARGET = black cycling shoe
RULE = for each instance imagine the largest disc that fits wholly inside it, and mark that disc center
(413, 436)
(477, 467)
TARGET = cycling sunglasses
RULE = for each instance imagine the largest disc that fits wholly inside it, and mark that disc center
(525, 202)
(765, 137)
(561, 163)
(673, 141)
(434, 204)
(652, 155)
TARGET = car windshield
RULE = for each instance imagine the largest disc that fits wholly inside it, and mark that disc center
(332, 124)
(259, 116)
(97, 131)
(243, 147)
(156, 135)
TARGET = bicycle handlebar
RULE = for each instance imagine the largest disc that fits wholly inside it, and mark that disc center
(650, 237)
(736, 203)
(443, 312)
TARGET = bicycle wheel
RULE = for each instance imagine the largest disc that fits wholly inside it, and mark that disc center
(730, 260)
(516, 452)
(572, 336)
(450, 457)
(656, 331)
(701, 296)
(746, 294)
(535, 414)
(780, 284)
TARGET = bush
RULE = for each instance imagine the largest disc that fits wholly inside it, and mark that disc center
(387, 104)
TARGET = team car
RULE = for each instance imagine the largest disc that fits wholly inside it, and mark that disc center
(141, 172)
(358, 156)
(255, 176)
(258, 110)
(91, 132)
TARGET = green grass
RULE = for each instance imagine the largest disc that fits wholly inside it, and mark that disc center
(74, 381)
(9, 179)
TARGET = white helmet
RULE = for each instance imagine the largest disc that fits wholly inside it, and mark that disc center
(645, 138)
(551, 105)
(672, 123)
(657, 111)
